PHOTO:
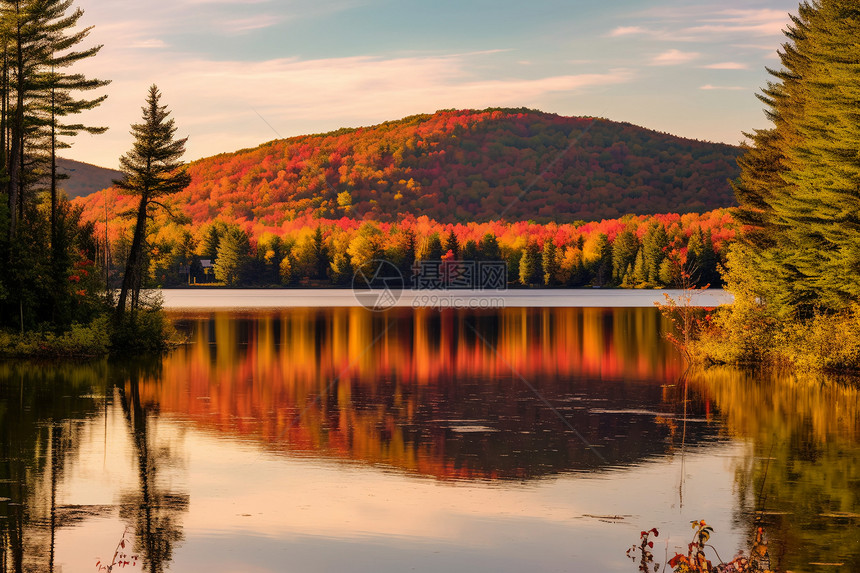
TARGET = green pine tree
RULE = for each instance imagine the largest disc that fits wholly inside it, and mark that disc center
(624, 251)
(602, 270)
(549, 260)
(654, 245)
(530, 272)
(234, 255)
(799, 179)
(452, 244)
(488, 248)
(151, 170)
(470, 251)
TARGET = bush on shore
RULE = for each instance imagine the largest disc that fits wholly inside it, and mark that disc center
(147, 331)
(81, 340)
(749, 332)
(821, 342)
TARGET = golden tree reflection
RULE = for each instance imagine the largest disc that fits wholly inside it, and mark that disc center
(429, 396)
(801, 477)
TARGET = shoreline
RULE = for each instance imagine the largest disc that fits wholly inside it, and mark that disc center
(249, 299)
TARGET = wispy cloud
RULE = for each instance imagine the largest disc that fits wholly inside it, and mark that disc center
(228, 2)
(628, 31)
(673, 58)
(241, 25)
(692, 25)
(728, 88)
(727, 66)
(148, 44)
(216, 101)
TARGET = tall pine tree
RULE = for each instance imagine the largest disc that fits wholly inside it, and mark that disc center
(152, 169)
(799, 189)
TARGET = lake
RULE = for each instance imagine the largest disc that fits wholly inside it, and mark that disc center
(336, 438)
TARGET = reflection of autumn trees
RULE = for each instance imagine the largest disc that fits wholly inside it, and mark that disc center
(429, 396)
(805, 461)
(152, 508)
(41, 413)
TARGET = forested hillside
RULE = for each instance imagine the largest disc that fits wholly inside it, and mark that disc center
(83, 178)
(459, 166)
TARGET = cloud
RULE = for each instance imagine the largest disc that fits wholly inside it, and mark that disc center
(727, 66)
(628, 31)
(759, 22)
(692, 25)
(219, 103)
(728, 88)
(229, 2)
(673, 58)
(148, 44)
(241, 25)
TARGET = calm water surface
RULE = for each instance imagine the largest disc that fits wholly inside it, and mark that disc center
(415, 440)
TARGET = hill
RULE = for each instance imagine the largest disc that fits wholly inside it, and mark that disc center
(84, 179)
(466, 165)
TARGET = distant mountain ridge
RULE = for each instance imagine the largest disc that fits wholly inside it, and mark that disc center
(84, 178)
(466, 165)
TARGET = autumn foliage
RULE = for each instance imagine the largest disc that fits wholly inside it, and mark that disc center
(458, 166)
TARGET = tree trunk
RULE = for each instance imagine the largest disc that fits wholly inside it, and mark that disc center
(17, 136)
(131, 277)
(4, 106)
(54, 246)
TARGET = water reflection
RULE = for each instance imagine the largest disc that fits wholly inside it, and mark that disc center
(150, 505)
(291, 431)
(42, 410)
(802, 480)
(452, 394)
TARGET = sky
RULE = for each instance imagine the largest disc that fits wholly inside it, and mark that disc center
(238, 73)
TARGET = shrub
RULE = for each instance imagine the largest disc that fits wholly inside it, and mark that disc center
(146, 331)
(91, 339)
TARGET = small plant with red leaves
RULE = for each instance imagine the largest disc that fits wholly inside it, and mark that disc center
(645, 556)
(695, 561)
(122, 559)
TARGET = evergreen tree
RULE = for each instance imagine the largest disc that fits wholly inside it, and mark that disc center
(624, 251)
(452, 244)
(549, 262)
(234, 256)
(669, 274)
(799, 179)
(530, 272)
(320, 254)
(602, 270)
(489, 248)
(640, 274)
(209, 243)
(654, 245)
(708, 262)
(57, 99)
(579, 274)
(695, 244)
(152, 169)
(285, 269)
(407, 260)
(470, 251)
(39, 44)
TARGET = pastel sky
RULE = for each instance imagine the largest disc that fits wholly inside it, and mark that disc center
(239, 73)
